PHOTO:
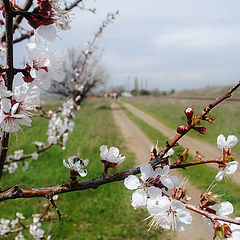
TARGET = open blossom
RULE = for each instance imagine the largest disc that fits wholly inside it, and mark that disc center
(235, 231)
(151, 183)
(222, 143)
(143, 186)
(168, 214)
(112, 155)
(226, 170)
(42, 67)
(229, 167)
(77, 164)
(221, 209)
(4, 226)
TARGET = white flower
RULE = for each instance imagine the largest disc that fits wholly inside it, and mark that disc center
(11, 120)
(222, 209)
(235, 231)
(35, 156)
(18, 154)
(4, 93)
(19, 236)
(12, 167)
(112, 155)
(140, 196)
(36, 232)
(77, 164)
(39, 144)
(229, 169)
(20, 215)
(4, 226)
(169, 153)
(45, 34)
(14, 222)
(168, 214)
(222, 143)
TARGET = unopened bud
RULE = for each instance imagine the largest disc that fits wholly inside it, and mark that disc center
(181, 129)
(189, 113)
(201, 130)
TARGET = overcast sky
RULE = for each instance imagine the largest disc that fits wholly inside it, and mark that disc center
(165, 43)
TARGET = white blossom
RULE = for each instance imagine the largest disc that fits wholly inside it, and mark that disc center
(222, 209)
(77, 164)
(168, 214)
(228, 170)
(112, 155)
(12, 167)
(222, 143)
(35, 156)
(4, 226)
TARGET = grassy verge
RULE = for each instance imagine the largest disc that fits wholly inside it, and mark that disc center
(103, 213)
(171, 113)
(201, 176)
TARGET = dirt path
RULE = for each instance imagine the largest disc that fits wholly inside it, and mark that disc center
(209, 151)
(139, 144)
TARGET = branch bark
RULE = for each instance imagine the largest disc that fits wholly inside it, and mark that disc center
(9, 75)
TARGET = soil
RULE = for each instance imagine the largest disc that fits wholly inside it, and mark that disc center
(139, 144)
(208, 150)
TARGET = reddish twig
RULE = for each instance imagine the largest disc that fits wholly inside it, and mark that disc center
(211, 216)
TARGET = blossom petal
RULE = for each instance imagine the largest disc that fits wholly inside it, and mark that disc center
(65, 164)
(46, 34)
(146, 171)
(219, 175)
(231, 141)
(221, 141)
(231, 167)
(223, 208)
(139, 198)
(132, 182)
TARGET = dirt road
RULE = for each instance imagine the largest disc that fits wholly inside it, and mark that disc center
(139, 144)
(208, 150)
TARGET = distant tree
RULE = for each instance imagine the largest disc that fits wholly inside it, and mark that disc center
(83, 72)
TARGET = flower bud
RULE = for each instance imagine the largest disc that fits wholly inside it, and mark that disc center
(201, 130)
(181, 129)
(189, 113)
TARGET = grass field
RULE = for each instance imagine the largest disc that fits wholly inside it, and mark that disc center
(202, 176)
(171, 113)
(103, 213)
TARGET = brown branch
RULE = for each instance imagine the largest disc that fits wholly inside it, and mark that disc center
(29, 155)
(189, 164)
(211, 216)
(9, 75)
(48, 192)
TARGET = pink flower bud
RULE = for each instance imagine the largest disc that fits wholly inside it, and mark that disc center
(181, 129)
(189, 113)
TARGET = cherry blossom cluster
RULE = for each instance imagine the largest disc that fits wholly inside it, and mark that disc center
(17, 225)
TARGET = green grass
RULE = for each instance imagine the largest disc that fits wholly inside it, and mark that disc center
(171, 113)
(202, 176)
(103, 213)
